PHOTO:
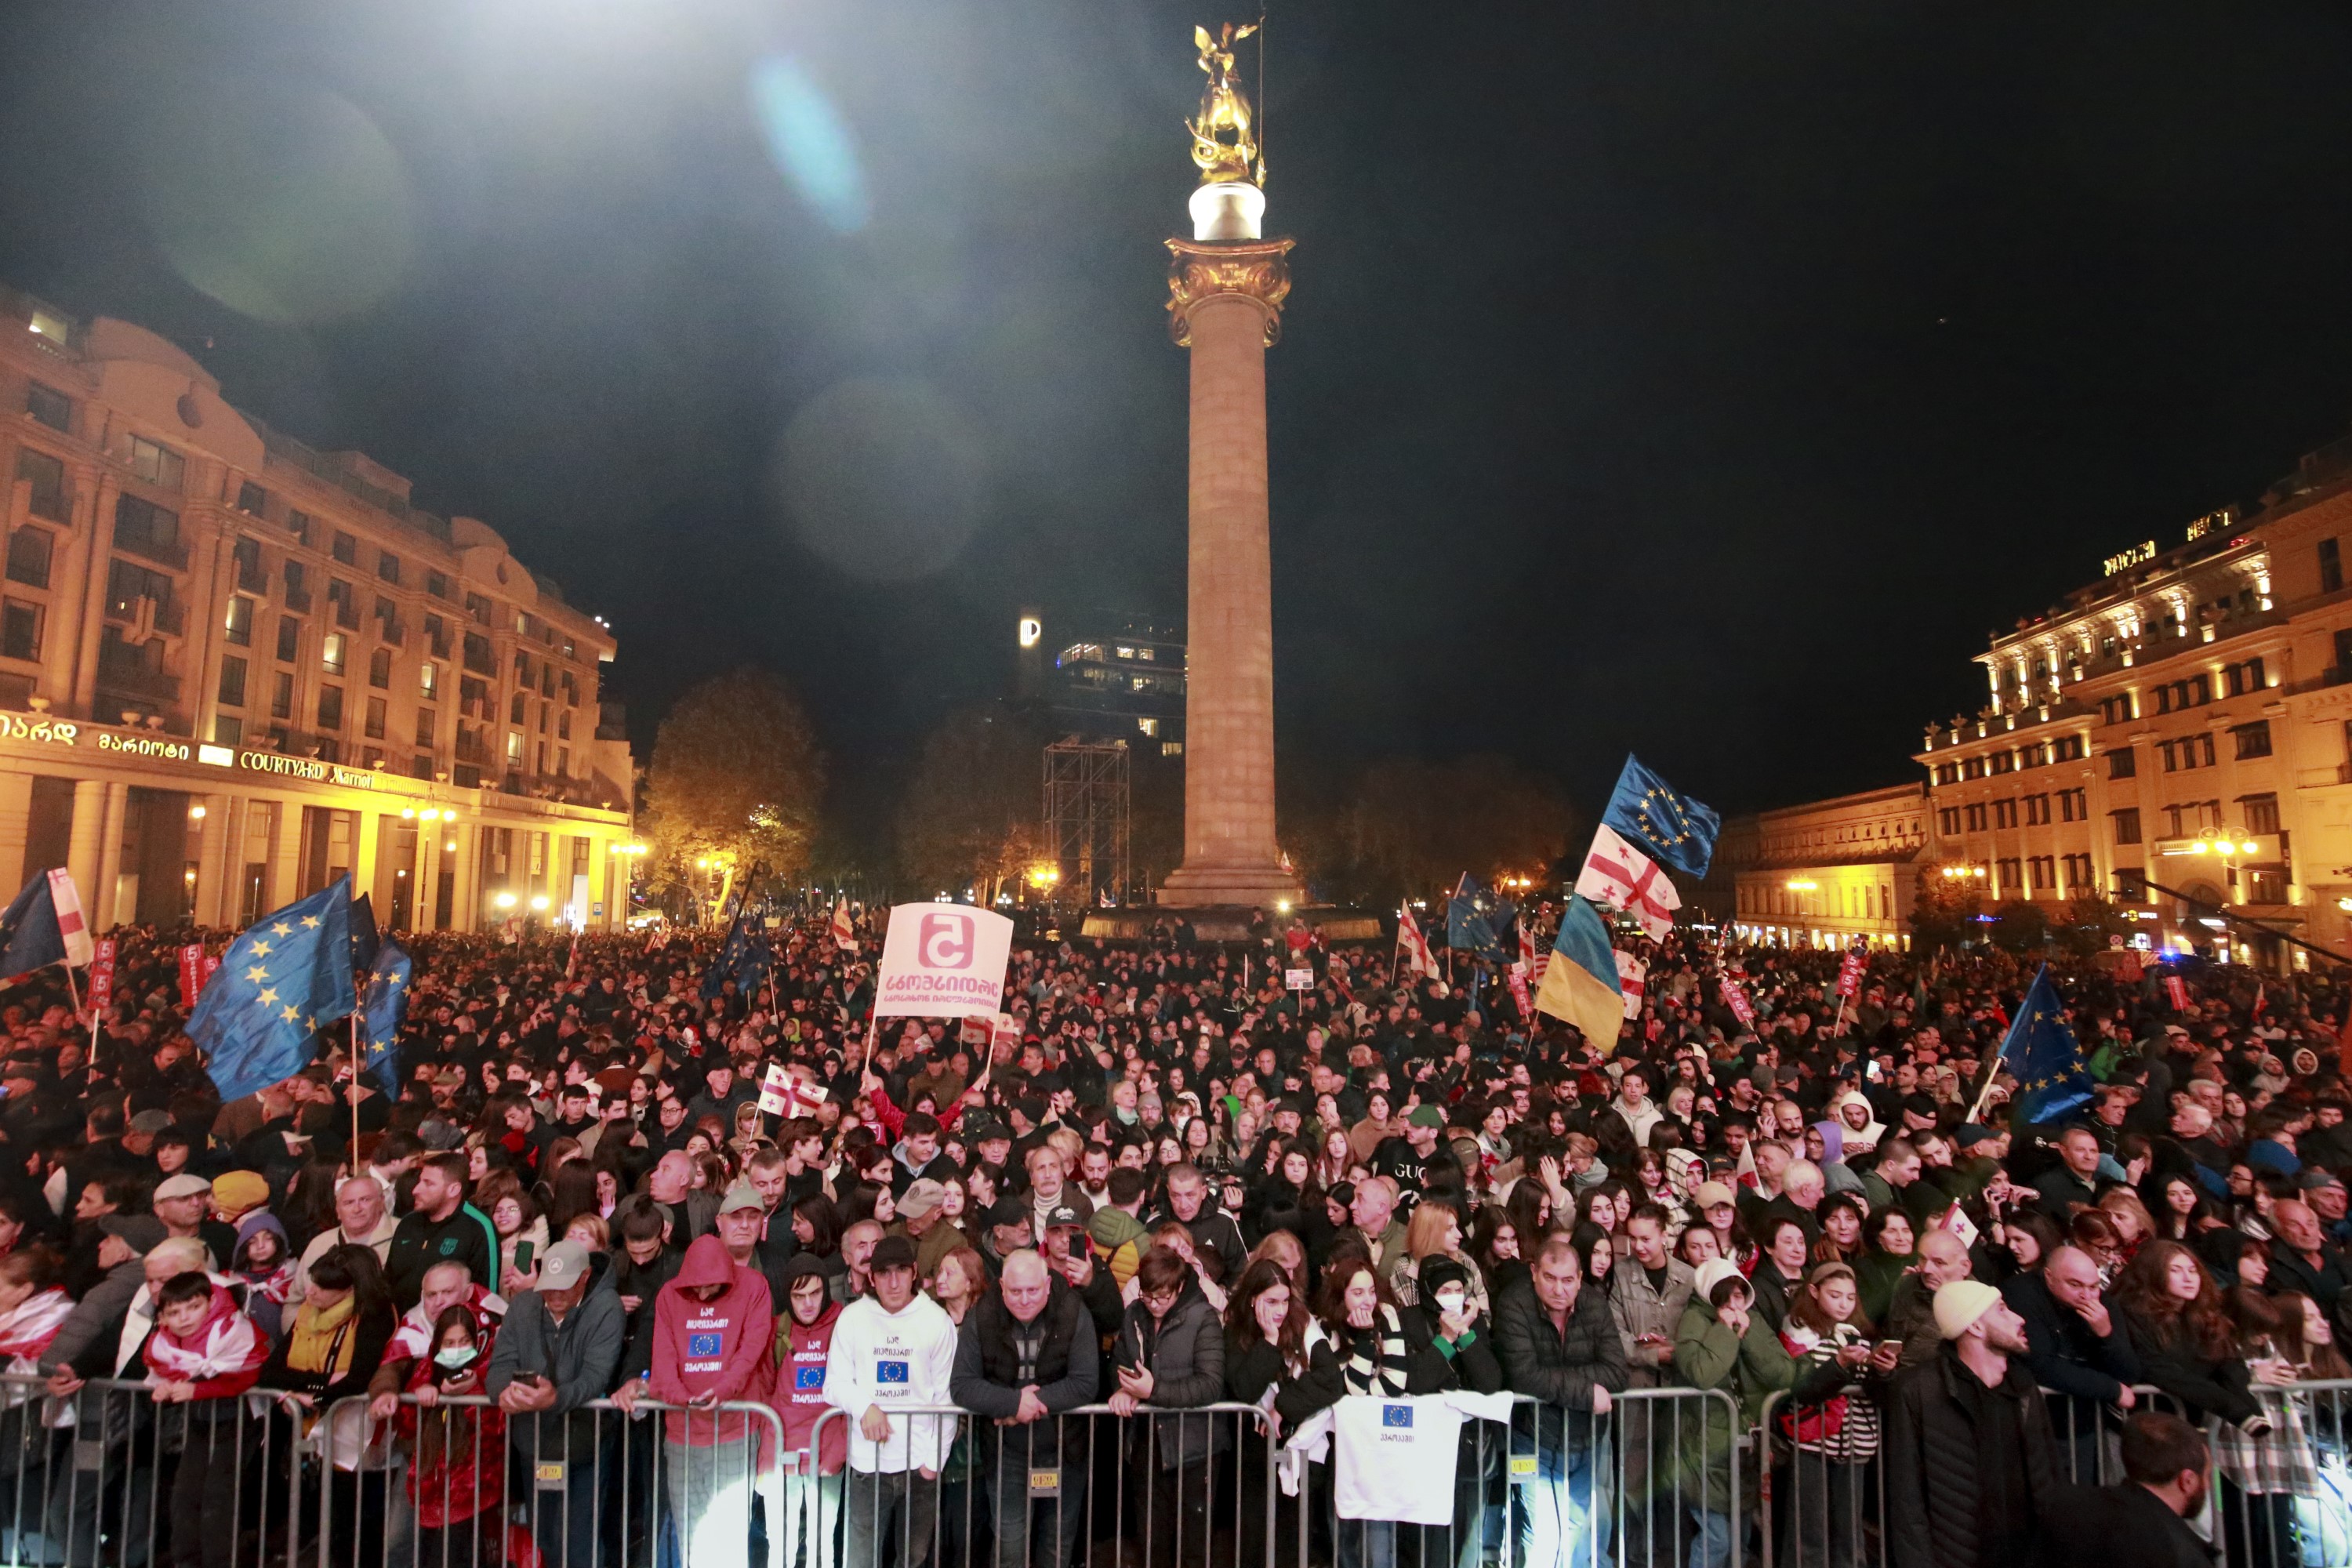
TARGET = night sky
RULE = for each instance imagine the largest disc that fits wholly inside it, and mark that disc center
(1706, 379)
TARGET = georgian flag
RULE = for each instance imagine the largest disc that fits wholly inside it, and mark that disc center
(1622, 878)
(1633, 979)
(844, 935)
(1416, 946)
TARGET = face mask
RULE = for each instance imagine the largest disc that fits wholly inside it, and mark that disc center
(1451, 1300)
(457, 1358)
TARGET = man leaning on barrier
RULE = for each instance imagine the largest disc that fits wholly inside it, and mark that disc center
(1169, 1354)
(558, 1351)
(1560, 1346)
(714, 1339)
(1025, 1355)
(894, 1349)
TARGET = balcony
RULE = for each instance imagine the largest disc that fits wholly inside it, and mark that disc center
(162, 552)
(168, 616)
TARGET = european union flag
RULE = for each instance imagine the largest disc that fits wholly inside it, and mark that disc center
(1470, 918)
(1396, 1415)
(288, 973)
(742, 958)
(1676, 828)
(2053, 1080)
(382, 1007)
(365, 938)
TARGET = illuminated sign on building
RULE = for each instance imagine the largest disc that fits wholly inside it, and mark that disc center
(2138, 555)
(54, 731)
(304, 768)
(145, 746)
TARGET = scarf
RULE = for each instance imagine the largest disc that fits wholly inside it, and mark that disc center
(225, 1343)
(321, 1341)
(27, 1329)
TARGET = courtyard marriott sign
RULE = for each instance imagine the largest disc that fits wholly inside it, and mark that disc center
(305, 768)
(146, 743)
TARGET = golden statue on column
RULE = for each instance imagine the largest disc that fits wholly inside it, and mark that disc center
(1223, 144)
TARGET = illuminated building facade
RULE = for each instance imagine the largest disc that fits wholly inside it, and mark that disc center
(1106, 680)
(232, 668)
(2184, 722)
(1831, 873)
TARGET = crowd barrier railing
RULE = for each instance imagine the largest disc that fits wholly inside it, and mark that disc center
(106, 1477)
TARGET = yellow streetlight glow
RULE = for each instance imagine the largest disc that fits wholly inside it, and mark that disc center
(1802, 885)
(539, 902)
(504, 901)
(195, 813)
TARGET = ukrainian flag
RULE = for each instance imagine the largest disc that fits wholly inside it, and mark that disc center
(1579, 984)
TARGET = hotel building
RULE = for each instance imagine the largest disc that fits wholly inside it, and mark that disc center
(232, 668)
(2176, 737)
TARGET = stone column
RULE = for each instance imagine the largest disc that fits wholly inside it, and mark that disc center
(15, 826)
(212, 859)
(81, 845)
(109, 854)
(1226, 302)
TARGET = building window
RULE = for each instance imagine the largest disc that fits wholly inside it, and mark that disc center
(332, 650)
(1976, 817)
(563, 761)
(2243, 678)
(330, 708)
(281, 696)
(289, 638)
(346, 549)
(127, 584)
(46, 476)
(2074, 805)
(479, 608)
(2331, 567)
(1947, 819)
(2004, 813)
(428, 679)
(250, 578)
(380, 669)
(424, 726)
(2253, 740)
(228, 729)
(2120, 764)
(436, 585)
(2261, 812)
(2009, 876)
(2037, 811)
(2042, 871)
(518, 708)
(49, 406)
(20, 629)
(514, 748)
(347, 608)
(2131, 885)
(29, 556)
(563, 725)
(157, 465)
(2265, 885)
(376, 717)
(2127, 823)
(239, 622)
(232, 682)
(478, 654)
(145, 529)
(387, 566)
(436, 636)
(298, 524)
(251, 498)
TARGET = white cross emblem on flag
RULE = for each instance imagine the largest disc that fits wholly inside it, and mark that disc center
(1416, 946)
(1633, 981)
(1622, 878)
(789, 1091)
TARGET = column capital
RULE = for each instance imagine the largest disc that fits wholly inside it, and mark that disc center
(1201, 270)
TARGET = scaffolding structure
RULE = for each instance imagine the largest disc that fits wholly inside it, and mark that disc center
(1087, 818)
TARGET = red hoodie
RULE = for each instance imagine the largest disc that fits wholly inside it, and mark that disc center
(802, 1350)
(221, 1359)
(724, 1346)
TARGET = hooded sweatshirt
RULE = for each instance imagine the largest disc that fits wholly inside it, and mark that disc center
(724, 1346)
(802, 1350)
(223, 1358)
(1119, 1238)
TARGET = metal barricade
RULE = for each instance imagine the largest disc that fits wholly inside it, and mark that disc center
(1675, 1484)
(1821, 1480)
(461, 1481)
(106, 1473)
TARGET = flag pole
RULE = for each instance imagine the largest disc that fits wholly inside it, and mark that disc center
(73, 991)
(354, 1091)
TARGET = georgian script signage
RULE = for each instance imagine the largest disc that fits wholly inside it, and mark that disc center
(55, 732)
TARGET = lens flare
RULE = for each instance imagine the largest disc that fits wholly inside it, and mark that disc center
(882, 477)
(810, 142)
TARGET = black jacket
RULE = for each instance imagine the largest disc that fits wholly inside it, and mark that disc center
(2066, 1358)
(1559, 1369)
(986, 1380)
(1930, 1449)
(1185, 1354)
(2121, 1523)
(2221, 1387)
(1472, 1365)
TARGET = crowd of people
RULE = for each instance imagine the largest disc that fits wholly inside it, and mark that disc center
(1177, 1184)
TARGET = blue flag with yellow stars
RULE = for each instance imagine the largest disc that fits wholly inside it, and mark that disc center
(288, 973)
(382, 1007)
(734, 954)
(1470, 920)
(1673, 826)
(2053, 1080)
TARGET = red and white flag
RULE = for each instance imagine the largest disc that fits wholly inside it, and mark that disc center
(844, 935)
(1622, 878)
(1416, 946)
(1735, 998)
(1527, 965)
(1633, 981)
(101, 976)
(2177, 991)
(73, 929)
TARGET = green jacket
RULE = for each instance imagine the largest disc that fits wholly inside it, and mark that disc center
(1748, 1368)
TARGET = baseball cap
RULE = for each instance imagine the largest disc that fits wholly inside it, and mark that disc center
(1009, 1211)
(921, 1197)
(1426, 1116)
(891, 1252)
(1074, 1209)
(143, 1233)
(151, 1122)
(183, 1186)
(1960, 1303)
(741, 1195)
(563, 1265)
(1710, 1193)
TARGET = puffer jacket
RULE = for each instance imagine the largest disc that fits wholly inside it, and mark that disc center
(1559, 1369)
(1185, 1354)
(1930, 1460)
(1067, 1376)
(1749, 1367)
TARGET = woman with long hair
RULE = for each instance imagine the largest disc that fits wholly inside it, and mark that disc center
(2189, 1344)
(1435, 1231)
(1495, 1246)
(2177, 1210)
(1830, 1416)
(2130, 1217)
(1841, 1220)
(1272, 1342)
(1368, 1338)
(1780, 1268)
(457, 1471)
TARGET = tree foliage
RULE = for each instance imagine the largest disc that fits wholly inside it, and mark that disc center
(1407, 826)
(737, 774)
(970, 814)
(1944, 914)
